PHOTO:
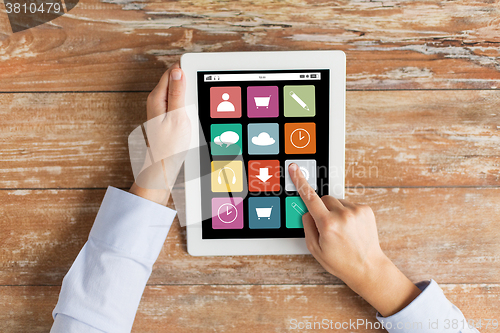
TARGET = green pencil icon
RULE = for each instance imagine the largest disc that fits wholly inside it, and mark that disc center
(299, 100)
(297, 208)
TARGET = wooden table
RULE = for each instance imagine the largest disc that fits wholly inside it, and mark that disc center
(422, 148)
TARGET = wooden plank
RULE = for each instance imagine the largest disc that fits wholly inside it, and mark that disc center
(424, 138)
(249, 308)
(271, 308)
(43, 232)
(68, 140)
(125, 46)
(393, 138)
(449, 234)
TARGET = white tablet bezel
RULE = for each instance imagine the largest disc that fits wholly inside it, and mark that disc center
(191, 63)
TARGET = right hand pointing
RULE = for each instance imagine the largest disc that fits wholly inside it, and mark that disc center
(343, 237)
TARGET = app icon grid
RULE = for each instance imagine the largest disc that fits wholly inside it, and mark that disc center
(262, 102)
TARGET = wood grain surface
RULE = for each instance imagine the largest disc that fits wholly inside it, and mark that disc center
(418, 228)
(393, 138)
(239, 308)
(125, 45)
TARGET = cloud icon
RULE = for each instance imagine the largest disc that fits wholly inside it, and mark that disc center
(263, 139)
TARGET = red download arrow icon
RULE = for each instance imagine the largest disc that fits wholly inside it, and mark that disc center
(264, 174)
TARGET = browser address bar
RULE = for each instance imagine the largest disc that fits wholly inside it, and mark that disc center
(262, 77)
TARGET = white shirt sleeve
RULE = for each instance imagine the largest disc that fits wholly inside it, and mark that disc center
(430, 312)
(102, 290)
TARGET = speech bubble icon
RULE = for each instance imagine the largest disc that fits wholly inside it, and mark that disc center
(217, 141)
(228, 137)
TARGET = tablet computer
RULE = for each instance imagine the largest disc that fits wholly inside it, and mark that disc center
(257, 113)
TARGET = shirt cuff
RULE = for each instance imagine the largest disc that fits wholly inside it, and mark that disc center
(429, 312)
(103, 287)
(135, 226)
(65, 324)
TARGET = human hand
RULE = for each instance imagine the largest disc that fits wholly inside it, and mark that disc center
(343, 237)
(168, 132)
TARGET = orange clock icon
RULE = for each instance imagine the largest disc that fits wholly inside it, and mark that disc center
(300, 138)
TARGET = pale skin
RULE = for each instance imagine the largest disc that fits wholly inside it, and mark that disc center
(341, 235)
(168, 95)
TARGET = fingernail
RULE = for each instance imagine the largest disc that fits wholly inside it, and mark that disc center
(176, 74)
(292, 166)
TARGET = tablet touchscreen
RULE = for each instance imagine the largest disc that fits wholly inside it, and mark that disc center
(256, 124)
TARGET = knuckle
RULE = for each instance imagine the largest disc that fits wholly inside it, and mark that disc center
(307, 216)
(151, 94)
(330, 228)
(357, 210)
(307, 219)
(151, 97)
(366, 209)
(309, 192)
(347, 215)
(324, 216)
(302, 188)
(325, 199)
(310, 246)
(175, 92)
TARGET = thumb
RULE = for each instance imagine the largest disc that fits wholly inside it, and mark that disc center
(176, 89)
